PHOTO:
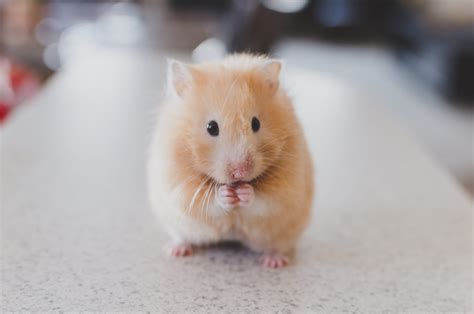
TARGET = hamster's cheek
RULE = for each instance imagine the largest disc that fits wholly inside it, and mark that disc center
(203, 155)
(259, 165)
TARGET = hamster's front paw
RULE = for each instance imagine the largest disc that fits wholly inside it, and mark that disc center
(246, 194)
(227, 197)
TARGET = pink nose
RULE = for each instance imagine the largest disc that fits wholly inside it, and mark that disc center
(240, 170)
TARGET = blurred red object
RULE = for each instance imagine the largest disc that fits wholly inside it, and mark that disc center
(16, 85)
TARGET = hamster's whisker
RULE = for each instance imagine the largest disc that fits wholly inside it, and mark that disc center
(209, 194)
(196, 193)
(179, 187)
(204, 198)
(271, 171)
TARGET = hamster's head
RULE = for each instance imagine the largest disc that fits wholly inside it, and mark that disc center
(232, 116)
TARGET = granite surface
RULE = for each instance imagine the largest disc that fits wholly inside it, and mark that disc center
(391, 230)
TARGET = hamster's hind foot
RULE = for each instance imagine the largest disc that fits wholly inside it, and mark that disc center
(274, 260)
(181, 250)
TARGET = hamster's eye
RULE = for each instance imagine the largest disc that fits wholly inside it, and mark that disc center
(255, 124)
(213, 128)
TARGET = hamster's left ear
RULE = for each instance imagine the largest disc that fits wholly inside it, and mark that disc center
(271, 73)
(179, 77)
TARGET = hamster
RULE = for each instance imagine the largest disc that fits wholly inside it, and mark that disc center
(228, 159)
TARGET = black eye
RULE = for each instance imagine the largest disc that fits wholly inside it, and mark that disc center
(213, 128)
(255, 124)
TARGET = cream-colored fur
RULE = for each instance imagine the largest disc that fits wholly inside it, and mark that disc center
(187, 166)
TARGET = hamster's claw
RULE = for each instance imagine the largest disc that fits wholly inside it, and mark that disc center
(181, 250)
(272, 260)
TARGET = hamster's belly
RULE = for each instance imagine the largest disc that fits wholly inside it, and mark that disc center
(224, 225)
(180, 226)
(232, 235)
(243, 217)
(185, 229)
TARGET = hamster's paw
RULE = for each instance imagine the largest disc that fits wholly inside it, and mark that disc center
(246, 194)
(274, 260)
(181, 250)
(227, 197)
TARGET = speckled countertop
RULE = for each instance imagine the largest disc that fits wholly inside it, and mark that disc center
(391, 230)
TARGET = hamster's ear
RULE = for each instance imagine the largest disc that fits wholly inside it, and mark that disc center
(179, 77)
(271, 73)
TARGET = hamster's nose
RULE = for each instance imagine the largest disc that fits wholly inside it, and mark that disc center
(240, 170)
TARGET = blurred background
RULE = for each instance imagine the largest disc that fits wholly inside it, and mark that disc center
(416, 57)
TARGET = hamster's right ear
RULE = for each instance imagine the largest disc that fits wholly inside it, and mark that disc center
(179, 77)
